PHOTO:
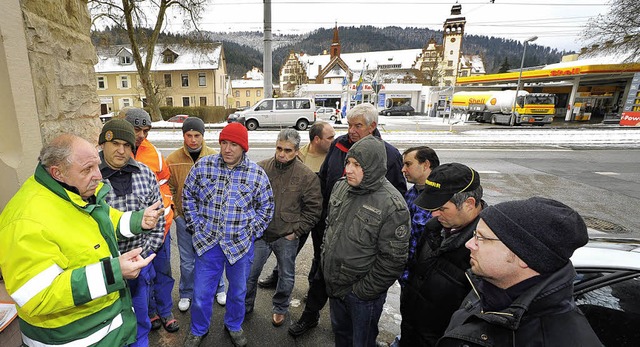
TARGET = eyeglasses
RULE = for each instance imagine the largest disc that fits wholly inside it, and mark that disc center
(482, 238)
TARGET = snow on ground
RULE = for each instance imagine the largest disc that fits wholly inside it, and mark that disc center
(434, 131)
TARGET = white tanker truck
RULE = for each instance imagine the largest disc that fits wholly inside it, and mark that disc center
(497, 107)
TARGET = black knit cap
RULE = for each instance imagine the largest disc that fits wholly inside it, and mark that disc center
(118, 129)
(444, 182)
(542, 232)
(193, 123)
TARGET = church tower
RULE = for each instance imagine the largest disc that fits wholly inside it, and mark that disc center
(335, 44)
(453, 32)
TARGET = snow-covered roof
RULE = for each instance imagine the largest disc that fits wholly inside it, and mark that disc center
(247, 84)
(254, 74)
(187, 59)
(477, 66)
(593, 59)
(399, 59)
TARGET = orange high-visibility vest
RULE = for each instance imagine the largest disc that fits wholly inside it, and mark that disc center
(149, 155)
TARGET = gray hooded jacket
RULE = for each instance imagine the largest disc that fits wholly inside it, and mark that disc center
(367, 237)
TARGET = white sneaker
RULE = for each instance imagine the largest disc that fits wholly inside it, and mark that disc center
(184, 304)
(221, 298)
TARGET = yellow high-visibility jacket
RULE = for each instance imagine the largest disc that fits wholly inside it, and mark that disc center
(58, 256)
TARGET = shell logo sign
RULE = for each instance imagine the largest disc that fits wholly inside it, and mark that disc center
(476, 101)
(493, 101)
(564, 72)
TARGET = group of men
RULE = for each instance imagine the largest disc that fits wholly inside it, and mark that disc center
(80, 268)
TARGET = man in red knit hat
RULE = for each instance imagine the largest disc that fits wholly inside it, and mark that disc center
(227, 203)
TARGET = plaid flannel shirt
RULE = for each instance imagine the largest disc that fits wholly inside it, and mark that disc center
(419, 218)
(229, 207)
(145, 193)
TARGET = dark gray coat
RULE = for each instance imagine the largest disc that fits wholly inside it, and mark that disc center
(367, 237)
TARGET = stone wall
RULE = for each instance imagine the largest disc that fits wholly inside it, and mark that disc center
(47, 82)
(62, 59)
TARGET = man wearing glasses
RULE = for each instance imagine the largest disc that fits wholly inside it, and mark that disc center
(522, 279)
(437, 283)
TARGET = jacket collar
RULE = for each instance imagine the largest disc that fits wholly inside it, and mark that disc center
(42, 176)
(553, 294)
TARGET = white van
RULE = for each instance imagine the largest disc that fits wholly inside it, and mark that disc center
(278, 112)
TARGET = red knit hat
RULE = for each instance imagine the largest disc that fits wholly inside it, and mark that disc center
(235, 132)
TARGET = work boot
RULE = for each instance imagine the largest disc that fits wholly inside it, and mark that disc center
(304, 324)
(237, 337)
(193, 340)
(270, 281)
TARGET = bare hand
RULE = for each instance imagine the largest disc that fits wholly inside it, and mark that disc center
(132, 262)
(151, 215)
(291, 237)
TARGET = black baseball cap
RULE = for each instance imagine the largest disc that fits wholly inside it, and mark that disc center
(445, 181)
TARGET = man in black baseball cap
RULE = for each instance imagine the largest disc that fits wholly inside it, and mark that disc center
(437, 284)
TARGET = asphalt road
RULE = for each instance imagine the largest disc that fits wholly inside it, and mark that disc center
(602, 184)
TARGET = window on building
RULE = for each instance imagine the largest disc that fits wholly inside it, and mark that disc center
(258, 93)
(237, 93)
(248, 93)
(124, 82)
(144, 102)
(167, 80)
(169, 101)
(237, 104)
(248, 103)
(126, 102)
(464, 73)
(202, 79)
(451, 52)
(185, 79)
(125, 60)
(203, 101)
(102, 82)
(168, 59)
(185, 101)
(450, 63)
(448, 72)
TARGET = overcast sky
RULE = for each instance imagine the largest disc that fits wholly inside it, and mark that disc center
(557, 23)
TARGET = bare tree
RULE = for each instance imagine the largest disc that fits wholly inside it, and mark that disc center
(132, 15)
(618, 31)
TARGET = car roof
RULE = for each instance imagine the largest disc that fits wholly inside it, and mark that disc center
(608, 253)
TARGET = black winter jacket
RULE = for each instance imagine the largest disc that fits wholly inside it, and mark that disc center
(437, 284)
(544, 315)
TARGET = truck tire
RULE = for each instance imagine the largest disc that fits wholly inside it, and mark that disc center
(493, 120)
(302, 124)
(251, 125)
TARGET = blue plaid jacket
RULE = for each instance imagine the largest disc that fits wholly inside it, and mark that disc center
(145, 193)
(229, 207)
(419, 218)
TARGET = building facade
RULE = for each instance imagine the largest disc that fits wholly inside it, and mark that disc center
(183, 76)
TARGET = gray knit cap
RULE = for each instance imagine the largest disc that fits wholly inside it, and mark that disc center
(542, 232)
(138, 117)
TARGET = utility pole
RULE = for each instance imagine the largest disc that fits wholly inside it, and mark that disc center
(266, 58)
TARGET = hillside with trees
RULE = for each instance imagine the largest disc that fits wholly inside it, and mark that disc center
(243, 50)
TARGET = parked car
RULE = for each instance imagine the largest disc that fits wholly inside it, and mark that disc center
(402, 110)
(107, 117)
(235, 117)
(607, 288)
(179, 118)
(328, 113)
(277, 112)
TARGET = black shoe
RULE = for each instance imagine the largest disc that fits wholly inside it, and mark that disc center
(302, 326)
(268, 282)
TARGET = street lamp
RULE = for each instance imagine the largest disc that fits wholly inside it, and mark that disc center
(524, 52)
